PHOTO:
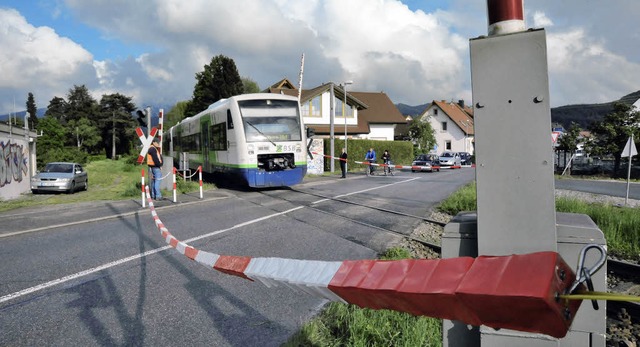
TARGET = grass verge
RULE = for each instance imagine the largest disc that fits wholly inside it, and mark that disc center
(108, 180)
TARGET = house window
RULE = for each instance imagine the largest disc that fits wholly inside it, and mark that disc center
(312, 108)
(444, 126)
(340, 108)
(435, 111)
(447, 145)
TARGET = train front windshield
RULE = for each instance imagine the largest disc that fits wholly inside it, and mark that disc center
(270, 120)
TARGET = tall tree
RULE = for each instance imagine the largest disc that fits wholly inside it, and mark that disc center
(116, 122)
(53, 138)
(422, 135)
(80, 104)
(220, 79)
(57, 109)
(86, 135)
(611, 134)
(32, 111)
(569, 140)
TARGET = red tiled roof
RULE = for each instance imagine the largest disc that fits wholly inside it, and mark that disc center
(457, 114)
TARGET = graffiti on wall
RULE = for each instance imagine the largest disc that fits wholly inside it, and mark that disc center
(13, 163)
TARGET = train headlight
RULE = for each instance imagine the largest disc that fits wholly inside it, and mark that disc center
(298, 149)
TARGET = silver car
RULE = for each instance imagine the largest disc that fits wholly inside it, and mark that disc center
(449, 158)
(60, 177)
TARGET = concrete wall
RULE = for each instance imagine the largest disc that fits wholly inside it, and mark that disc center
(17, 161)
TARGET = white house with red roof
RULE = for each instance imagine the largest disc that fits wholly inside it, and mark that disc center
(453, 125)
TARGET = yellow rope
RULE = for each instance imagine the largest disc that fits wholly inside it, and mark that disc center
(601, 296)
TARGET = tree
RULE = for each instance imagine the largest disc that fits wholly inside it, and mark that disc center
(116, 122)
(87, 135)
(569, 140)
(422, 135)
(176, 114)
(80, 104)
(57, 109)
(220, 79)
(249, 86)
(611, 134)
(32, 111)
(53, 138)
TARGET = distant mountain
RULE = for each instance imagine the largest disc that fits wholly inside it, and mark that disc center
(583, 114)
(407, 110)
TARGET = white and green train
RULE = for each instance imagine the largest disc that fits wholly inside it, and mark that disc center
(256, 138)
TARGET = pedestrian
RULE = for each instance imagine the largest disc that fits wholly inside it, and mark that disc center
(371, 158)
(343, 163)
(154, 161)
(386, 159)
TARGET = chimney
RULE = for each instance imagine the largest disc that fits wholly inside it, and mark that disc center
(461, 103)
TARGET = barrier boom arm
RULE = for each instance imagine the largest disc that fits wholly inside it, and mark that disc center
(519, 292)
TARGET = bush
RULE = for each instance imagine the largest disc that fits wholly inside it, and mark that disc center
(70, 154)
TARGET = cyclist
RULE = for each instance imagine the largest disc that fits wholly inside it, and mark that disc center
(371, 158)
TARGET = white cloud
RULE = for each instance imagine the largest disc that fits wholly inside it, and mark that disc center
(36, 59)
(415, 57)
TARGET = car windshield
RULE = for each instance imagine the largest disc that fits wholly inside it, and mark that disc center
(63, 168)
(447, 154)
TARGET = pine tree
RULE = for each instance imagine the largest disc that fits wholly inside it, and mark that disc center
(32, 111)
(220, 79)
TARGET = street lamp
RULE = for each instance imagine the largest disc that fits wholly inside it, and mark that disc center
(344, 114)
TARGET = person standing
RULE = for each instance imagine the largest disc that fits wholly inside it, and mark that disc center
(343, 163)
(154, 161)
(371, 158)
(386, 159)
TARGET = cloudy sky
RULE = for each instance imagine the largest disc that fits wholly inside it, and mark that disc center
(416, 51)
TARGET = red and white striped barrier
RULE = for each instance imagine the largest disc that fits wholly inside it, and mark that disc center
(515, 292)
(199, 172)
(173, 171)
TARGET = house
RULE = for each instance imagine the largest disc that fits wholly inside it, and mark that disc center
(453, 125)
(369, 115)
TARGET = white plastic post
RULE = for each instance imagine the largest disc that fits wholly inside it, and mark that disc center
(200, 179)
(175, 196)
(142, 181)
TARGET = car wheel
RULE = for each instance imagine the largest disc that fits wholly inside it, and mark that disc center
(34, 191)
(413, 170)
(86, 185)
(72, 189)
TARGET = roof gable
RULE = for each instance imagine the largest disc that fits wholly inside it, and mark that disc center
(457, 114)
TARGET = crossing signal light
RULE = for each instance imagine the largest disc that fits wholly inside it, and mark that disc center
(310, 132)
(142, 118)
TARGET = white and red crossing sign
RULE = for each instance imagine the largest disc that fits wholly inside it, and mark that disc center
(146, 142)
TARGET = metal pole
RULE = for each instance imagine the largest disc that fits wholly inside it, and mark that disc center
(331, 132)
(626, 198)
(346, 83)
(113, 135)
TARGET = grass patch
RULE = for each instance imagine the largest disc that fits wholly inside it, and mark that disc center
(619, 224)
(348, 325)
(108, 180)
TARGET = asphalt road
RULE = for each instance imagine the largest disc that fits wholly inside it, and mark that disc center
(100, 274)
(613, 188)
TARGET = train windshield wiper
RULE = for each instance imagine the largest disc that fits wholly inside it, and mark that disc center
(261, 133)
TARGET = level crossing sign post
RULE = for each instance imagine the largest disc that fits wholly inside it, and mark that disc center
(146, 142)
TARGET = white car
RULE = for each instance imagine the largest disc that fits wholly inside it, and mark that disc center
(449, 158)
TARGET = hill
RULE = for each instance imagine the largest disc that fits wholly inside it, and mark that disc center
(583, 114)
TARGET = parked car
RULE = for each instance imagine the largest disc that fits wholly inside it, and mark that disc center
(427, 162)
(60, 177)
(449, 158)
(465, 158)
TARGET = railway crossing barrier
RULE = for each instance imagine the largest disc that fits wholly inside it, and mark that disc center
(524, 292)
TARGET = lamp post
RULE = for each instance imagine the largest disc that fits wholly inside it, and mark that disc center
(344, 114)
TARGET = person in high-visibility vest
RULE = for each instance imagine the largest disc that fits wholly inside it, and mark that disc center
(154, 161)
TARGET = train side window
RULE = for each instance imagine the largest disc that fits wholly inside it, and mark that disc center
(229, 120)
(218, 139)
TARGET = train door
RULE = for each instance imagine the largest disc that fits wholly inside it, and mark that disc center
(230, 143)
(204, 141)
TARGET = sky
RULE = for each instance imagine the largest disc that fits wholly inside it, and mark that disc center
(415, 51)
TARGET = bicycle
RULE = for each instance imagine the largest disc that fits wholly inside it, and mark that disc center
(388, 167)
